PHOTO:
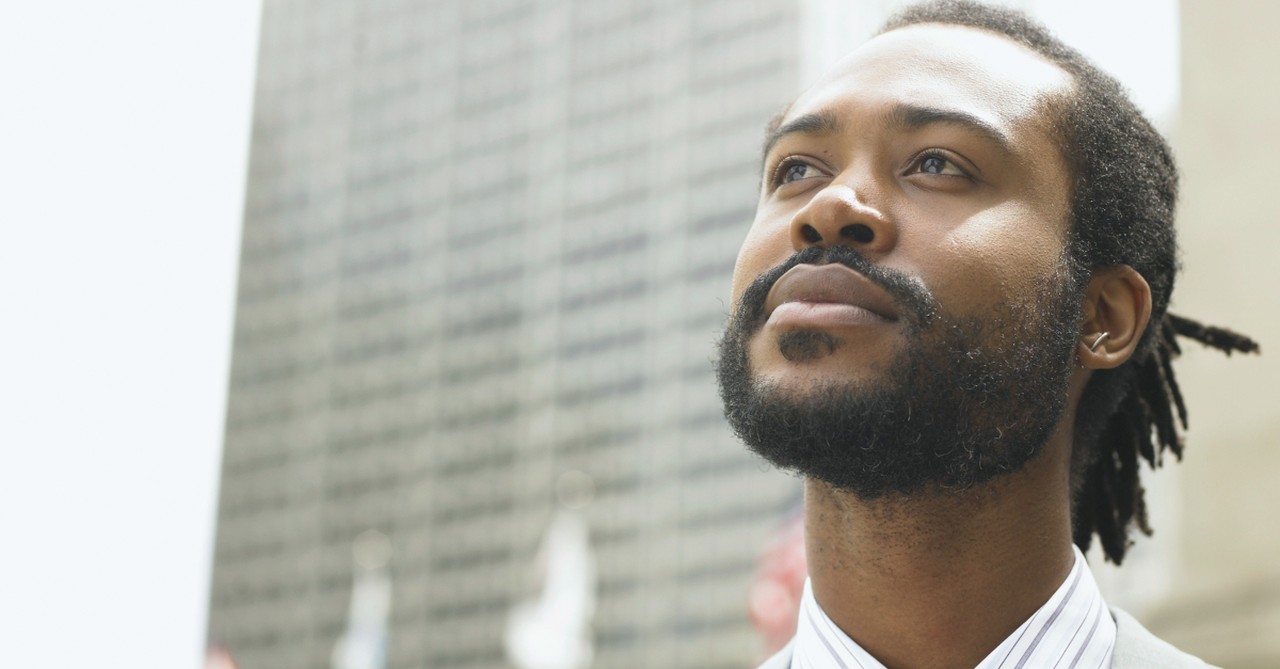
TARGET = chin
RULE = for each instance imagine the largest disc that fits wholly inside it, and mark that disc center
(807, 362)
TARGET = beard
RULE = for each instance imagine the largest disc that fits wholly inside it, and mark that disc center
(966, 398)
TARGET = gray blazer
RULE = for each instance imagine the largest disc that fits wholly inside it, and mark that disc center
(1136, 648)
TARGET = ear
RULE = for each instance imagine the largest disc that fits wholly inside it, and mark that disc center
(1117, 303)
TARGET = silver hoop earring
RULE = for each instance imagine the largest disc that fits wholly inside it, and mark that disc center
(1094, 345)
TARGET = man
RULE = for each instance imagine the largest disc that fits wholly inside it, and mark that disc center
(951, 319)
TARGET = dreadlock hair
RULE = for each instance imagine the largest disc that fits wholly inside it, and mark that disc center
(1122, 211)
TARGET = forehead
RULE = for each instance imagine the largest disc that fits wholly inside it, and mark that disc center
(985, 75)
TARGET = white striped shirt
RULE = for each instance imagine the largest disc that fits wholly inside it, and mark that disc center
(1073, 629)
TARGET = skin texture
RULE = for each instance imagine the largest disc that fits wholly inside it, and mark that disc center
(975, 211)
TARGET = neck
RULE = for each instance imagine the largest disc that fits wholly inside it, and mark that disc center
(941, 578)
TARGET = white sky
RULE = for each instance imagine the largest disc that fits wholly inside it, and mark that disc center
(123, 144)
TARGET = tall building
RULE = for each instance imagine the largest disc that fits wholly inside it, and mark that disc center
(487, 245)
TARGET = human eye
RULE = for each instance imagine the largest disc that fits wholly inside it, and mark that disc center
(791, 170)
(937, 163)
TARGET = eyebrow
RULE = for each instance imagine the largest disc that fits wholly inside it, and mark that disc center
(817, 123)
(912, 117)
(900, 117)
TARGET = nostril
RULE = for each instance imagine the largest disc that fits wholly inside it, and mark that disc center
(858, 232)
(810, 234)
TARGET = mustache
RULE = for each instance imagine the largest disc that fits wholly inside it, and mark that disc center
(915, 301)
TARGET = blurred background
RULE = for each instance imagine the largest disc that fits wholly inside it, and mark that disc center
(469, 419)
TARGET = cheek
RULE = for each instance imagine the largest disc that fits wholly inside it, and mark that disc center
(999, 260)
(765, 246)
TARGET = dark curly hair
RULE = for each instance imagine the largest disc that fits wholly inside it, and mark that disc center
(1122, 212)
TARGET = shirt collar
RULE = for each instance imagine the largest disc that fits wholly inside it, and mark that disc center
(1073, 629)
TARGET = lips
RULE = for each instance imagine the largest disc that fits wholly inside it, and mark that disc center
(830, 293)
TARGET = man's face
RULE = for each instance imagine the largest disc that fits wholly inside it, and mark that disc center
(902, 292)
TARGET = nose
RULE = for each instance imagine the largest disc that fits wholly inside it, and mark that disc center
(837, 215)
